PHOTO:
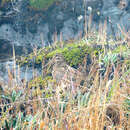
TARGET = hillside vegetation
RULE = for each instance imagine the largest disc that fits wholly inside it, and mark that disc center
(83, 84)
(36, 4)
(42, 4)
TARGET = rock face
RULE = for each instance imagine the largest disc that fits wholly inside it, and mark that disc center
(23, 26)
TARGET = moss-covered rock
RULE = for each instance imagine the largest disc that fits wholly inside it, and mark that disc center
(72, 52)
(39, 81)
(42, 86)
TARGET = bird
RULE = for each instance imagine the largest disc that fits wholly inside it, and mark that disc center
(62, 72)
(59, 67)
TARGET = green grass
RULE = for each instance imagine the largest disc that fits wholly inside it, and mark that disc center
(72, 52)
(42, 4)
(37, 4)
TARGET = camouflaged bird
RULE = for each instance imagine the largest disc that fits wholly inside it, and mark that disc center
(59, 67)
(63, 72)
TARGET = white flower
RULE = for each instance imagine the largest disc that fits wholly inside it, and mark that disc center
(80, 18)
(98, 12)
(90, 8)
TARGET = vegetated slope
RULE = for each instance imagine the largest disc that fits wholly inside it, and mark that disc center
(83, 85)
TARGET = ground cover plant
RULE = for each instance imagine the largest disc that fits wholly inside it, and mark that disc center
(83, 85)
(42, 4)
(35, 4)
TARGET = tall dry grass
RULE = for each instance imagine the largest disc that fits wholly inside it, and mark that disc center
(100, 106)
(101, 103)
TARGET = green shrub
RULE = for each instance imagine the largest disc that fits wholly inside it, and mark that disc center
(41, 4)
(74, 55)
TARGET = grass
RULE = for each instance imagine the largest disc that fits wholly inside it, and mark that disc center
(37, 4)
(98, 100)
(42, 4)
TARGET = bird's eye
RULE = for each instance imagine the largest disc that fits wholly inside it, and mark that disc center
(124, 5)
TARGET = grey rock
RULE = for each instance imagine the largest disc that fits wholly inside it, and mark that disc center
(125, 21)
(27, 25)
(69, 29)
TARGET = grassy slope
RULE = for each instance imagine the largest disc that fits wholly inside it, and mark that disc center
(44, 104)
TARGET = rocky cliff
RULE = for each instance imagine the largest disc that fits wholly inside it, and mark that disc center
(25, 27)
